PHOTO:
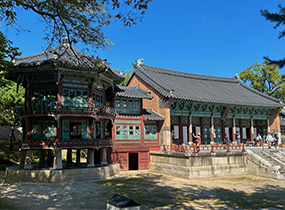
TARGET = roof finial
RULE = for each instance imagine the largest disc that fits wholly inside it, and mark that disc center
(140, 61)
(237, 76)
(65, 40)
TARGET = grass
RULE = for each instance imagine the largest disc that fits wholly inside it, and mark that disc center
(5, 205)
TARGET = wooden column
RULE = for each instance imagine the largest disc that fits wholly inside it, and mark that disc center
(90, 158)
(42, 157)
(201, 130)
(212, 130)
(103, 156)
(69, 157)
(223, 130)
(268, 126)
(30, 128)
(78, 156)
(234, 129)
(180, 129)
(49, 160)
(251, 129)
(22, 158)
(57, 163)
(190, 129)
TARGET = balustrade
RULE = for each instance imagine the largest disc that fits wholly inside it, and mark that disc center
(66, 108)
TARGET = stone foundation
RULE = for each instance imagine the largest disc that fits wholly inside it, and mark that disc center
(191, 165)
(63, 175)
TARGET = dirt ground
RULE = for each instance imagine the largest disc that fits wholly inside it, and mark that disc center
(153, 191)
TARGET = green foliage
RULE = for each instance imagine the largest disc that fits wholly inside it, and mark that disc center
(7, 157)
(9, 100)
(9, 97)
(80, 21)
(279, 19)
(127, 77)
(265, 78)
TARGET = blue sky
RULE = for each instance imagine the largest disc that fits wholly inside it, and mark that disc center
(208, 37)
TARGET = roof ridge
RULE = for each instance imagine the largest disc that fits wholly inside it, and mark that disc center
(153, 81)
(189, 75)
(260, 93)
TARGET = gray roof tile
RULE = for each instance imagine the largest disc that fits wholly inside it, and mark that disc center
(202, 88)
(132, 92)
(152, 115)
(62, 54)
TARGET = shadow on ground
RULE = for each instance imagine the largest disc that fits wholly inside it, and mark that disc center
(152, 190)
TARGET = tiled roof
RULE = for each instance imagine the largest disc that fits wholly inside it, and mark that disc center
(209, 89)
(62, 55)
(152, 115)
(132, 92)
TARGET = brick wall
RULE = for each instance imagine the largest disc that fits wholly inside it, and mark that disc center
(164, 135)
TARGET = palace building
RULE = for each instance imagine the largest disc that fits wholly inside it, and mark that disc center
(73, 103)
(211, 106)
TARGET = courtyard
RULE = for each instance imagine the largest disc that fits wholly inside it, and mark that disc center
(152, 191)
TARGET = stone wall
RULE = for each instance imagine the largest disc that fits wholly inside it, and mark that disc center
(64, 175)
(5, 132)
(191, 165)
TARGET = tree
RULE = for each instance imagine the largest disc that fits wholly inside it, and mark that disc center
(265, 78)
(80, 21)
(279, 18)
(127, 77)
(9, 97)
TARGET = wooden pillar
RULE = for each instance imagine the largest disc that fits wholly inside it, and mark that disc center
(78, 156)
(201, 130)
(28, 160)
(49, 160)
(90, 158)
(42, 157)
(234, 129)
(180, 129)
(251, 129)
(190, 128)
(30, 128)
(268, 126)
(57, 163)
(90, 132)
(223, 130)
(69, 157)
(103, 156)
(22, 158)
(212, 130)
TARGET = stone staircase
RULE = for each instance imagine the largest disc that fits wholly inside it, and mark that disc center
(267, 162)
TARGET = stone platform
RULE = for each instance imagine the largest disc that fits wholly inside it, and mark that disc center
(50, 175)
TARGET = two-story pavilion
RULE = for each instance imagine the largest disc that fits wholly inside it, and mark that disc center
(65, 104)
(135, 131)
(192, 103)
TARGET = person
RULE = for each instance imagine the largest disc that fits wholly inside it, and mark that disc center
(227, 140)
(275, 142)
(197, 141)
(258, 138)
(237, 137)
(214, 135)
(269, 140)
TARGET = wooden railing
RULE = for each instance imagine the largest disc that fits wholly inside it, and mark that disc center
(64, 143)
(209, 148)
(66, 108)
